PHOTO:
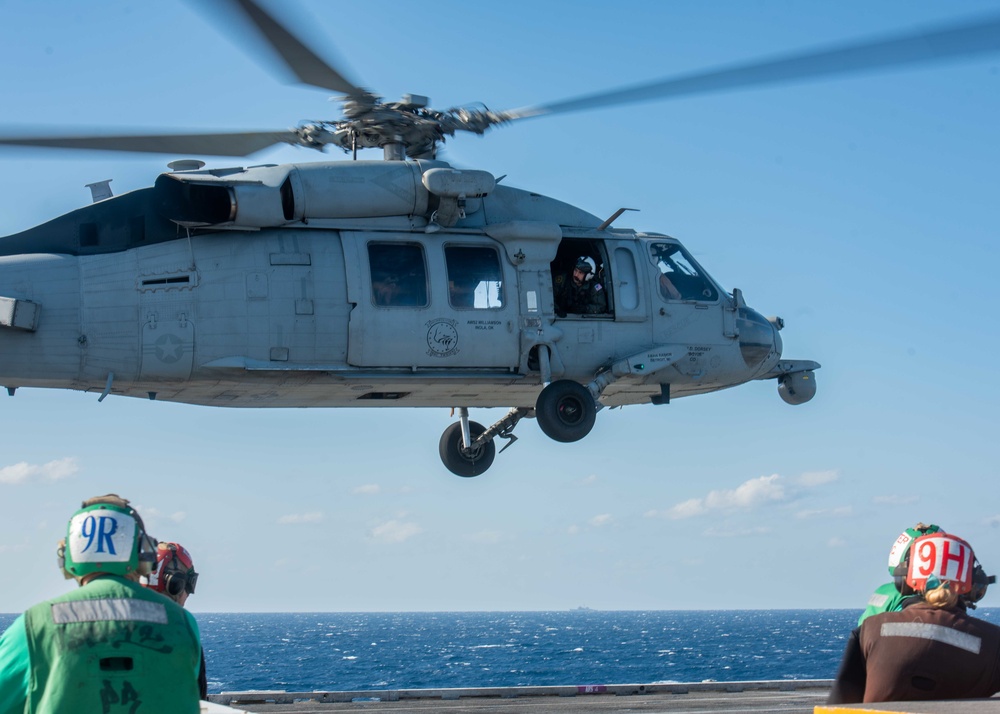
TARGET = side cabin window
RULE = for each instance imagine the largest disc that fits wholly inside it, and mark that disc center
(680, 278)
(398, 273)
(475, 280)
(581, 283)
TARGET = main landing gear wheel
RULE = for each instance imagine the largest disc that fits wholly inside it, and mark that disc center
(466, 462)
(566, 411)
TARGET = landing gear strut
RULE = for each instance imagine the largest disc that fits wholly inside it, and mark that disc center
(566, 412)
(466, 461)
(467, 447)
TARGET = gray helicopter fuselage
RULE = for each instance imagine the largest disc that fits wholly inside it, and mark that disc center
(361, 284)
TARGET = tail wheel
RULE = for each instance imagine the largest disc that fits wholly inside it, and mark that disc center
(466, 462)
(566, 411)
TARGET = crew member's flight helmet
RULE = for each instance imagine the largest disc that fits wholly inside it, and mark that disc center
(938, 559)
(106, 536)
(901, 548)
(174, 572)
(586, 265)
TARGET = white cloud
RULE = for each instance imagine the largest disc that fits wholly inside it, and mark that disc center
(896, 499)
(589, 480)
(747, 495)
(395, 531)
(993, 521)
(60, 469)
(297, 518)
(687, 509)
(369, 489)
(153, 517)
(840, 512)
(817, 478)
(714, 532)
(600, 520)
(51, 471)
(836, 542)
(573, 530)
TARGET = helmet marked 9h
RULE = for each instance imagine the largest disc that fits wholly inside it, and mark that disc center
(174, 572)
(940, 559)
(106, 536)
(946, 559)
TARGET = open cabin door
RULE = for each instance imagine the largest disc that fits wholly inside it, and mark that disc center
(444, 302)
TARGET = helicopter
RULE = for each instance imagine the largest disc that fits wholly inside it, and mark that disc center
(400, 282)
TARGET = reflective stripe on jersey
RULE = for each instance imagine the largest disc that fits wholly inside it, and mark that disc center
(108, 610)
(955, 638)
(878, 600)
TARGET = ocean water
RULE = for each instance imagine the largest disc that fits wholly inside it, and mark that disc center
(366, 651)
(362, 651)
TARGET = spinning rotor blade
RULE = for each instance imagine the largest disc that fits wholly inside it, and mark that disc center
(225, 144)
(307, 66)
(937, 43)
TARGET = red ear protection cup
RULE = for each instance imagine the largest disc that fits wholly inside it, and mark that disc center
(174, 573)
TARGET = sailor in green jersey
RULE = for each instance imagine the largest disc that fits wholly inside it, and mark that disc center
(110, 646)
(887, 597)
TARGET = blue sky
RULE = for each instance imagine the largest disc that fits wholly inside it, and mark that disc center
(863, 210)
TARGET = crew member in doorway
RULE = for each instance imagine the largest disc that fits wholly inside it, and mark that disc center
(111, 645)
(580, 292)
(932, 649)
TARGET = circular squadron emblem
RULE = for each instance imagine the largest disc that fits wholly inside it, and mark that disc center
(442, 338)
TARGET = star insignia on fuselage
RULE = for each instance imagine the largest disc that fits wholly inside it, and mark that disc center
(168, 348)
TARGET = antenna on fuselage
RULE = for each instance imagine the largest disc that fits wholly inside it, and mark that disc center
(100, 190)
(614, 217)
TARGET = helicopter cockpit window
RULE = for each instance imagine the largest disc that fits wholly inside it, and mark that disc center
(680, 279)
(475, 280)
(399, 274)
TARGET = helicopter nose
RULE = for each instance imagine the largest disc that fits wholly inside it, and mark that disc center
(759, 337)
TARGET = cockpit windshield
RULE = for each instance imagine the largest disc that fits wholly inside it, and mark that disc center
(680, 279)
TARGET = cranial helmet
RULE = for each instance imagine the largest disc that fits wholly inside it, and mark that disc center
(106, 536)
(901, 548)
(940, 559)
(586, 265)
(174, 572)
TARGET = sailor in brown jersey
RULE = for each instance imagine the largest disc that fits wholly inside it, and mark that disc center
(932, 649)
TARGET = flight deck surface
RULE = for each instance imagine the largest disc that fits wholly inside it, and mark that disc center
(800, 697)
(787, 697)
